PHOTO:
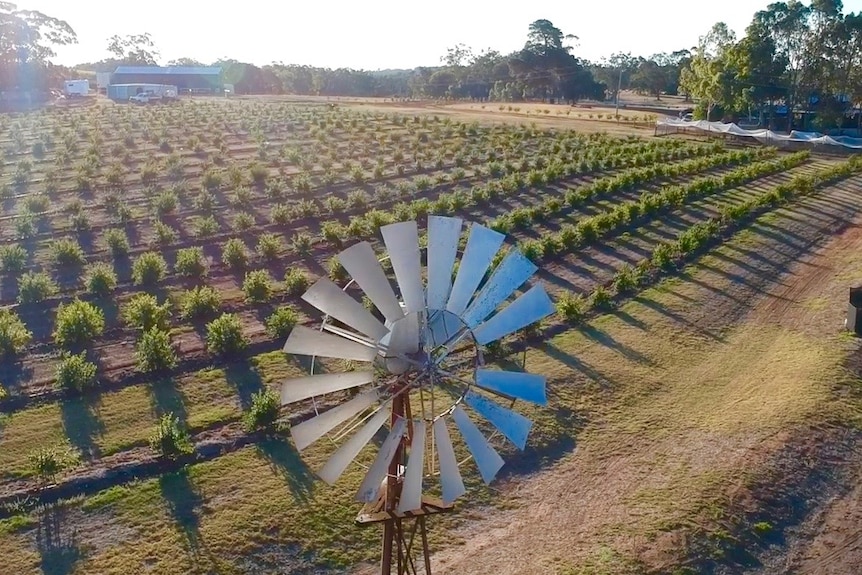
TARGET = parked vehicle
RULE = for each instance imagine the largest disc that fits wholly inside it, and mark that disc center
(145, 98)
(76, 88)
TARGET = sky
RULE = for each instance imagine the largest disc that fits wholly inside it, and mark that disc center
(384, 33)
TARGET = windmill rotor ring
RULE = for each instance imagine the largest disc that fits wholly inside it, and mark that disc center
(420, 349)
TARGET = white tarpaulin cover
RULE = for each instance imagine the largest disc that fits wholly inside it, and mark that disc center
(765, 136)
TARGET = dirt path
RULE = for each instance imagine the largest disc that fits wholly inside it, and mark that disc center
(645, 465)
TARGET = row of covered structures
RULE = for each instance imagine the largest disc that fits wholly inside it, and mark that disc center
(127, 81)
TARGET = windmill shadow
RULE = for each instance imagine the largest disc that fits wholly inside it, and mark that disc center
(183, 502)
(608, 341)
(82, 424)
(577, 365)
(59, 551)
(284, 460)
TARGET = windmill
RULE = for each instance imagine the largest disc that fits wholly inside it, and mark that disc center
(421, 371)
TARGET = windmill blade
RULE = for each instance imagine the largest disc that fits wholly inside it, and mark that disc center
(404, 336)
(370, 486)
(361, 263)
(411, 490)
(331, 300)
(482, 244)
(514, 426)
(300, 388)
(310, 430)
(306, 341)
(443, 235)
(348, 451)
(402, 242)
(487, 459)
(527, 309)
(450, 477)
(512, 272)
(517, 384)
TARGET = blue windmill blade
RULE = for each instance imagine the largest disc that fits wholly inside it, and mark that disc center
(443, 235)
(513, 271)
(515, 384)
(514, 426)
(486, 457)
(482, 245)
(526, 310)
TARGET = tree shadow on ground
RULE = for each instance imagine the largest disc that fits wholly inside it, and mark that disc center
(57, 544)
(167, 398)
(13, 375)
(577, 364)
(82, 424)
(677, 318)
(608, 341)
(245, 379)
(285, 460)
(183, 501)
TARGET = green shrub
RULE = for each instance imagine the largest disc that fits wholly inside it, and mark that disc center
(13, 258)
(257, 286)
(165, 234)
(295, 282)
(14, 335)
(170, 441)
(149, 268)
(166, 202)
(601, 298)
(280, 322)
(191, 262)
(66, 252)
(572, 307)
(78, 323)
(264, 410)
(46, 463)
(116, 242)
(224, 335)
(154, 351)
(100, 279)
(144, 312)
(204, 226)
(662, 256)
(234, 254)
(269, 246)
(200, 302)
(75, 373)
(35, 287)
(335, 270)
(301, 243)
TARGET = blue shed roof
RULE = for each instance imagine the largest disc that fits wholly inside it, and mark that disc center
(178, 70)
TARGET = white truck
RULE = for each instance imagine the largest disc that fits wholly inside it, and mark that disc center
(145, 98)
(76, 88)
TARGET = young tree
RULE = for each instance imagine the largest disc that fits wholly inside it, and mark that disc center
(27, 41)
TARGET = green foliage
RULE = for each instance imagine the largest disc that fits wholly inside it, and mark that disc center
(78, 323)
(257, 286)
(264, 410)
(14, 335)
(67, 252)
(35, 287)
(269, 246)
(224, 335)
(301, 243)
(149, 268)
(601, 298)
(170, 441)
(75, 373)
(144, 312)
(100, 279)
(200, 302)
(234, 254)
(46, 463)
(165, 234)
(117, 242)
(335, 270)
(204, 226)
(13, 258)
(191, 262)
(154, 351)
(280, 322)
(572, 307)
(295, 282)
(166, 202)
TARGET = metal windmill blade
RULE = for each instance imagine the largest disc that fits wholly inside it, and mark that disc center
(420, 364)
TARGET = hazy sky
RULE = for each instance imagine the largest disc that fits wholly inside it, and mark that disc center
(385, 33)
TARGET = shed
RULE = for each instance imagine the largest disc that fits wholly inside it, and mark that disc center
(201, 79)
